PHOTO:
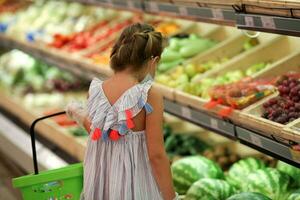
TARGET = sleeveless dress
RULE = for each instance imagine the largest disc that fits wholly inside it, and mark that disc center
(116, 165)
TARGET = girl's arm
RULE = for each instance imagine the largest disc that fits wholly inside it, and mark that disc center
(155, 144)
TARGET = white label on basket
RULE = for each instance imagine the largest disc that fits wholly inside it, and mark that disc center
(217, 13)
(214, 123)
(186, 112)
(268, 22)
(153, 6)
(249, 21)
(183, 11)
(256, 140)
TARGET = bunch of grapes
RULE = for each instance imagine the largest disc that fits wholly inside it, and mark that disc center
(286, 107)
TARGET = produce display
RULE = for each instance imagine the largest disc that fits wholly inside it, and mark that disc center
(270, 182)
(210, 189)
(291, 171)
(242, 93)
(182, 144)
(206, 84)
(286, 107)
(28, 75)
(239, 171)
(181, 48)
(65, 18)
(184, 77)
(190, 169)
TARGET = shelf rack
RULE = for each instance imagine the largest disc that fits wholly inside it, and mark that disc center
(233, 13)
(204, 119)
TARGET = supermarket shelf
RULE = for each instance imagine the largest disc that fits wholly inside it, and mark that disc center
(130, 5)
(216, 15)
(79, 66)
(199, 117)
(229, 130)
(19, 150)
(272, 24)
(48, 129)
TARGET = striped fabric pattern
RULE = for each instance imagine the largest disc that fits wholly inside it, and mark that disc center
(117, 170)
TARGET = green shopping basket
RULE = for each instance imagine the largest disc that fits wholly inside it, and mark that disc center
(57, 184)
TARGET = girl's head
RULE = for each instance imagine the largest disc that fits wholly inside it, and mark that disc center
(138, 49)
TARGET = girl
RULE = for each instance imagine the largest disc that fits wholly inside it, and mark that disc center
(125, 157)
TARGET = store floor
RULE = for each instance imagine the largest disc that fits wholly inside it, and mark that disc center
(8, 170)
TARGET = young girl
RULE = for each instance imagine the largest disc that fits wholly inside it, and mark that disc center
(125, 157)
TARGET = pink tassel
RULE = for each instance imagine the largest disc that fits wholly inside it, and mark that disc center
(97, 134)
(114, 135)
(129, 121)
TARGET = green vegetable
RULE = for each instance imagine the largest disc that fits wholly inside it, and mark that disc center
(249, 196)
(188, 170)
(195, 47)
(79, 132)
(163, 67)
(291, 171)
(239, 171)
(294, 195)
(169, 55)
(270, 182)
(210, 189)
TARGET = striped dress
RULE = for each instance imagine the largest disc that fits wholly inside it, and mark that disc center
(116, 165)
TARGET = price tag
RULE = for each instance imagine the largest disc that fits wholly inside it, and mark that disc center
(295, 155)
(130, 4)
(214, 123)
(256, 140)
(217, 13)
(268, 22)
(249, 21)
(183, 11)
(153, 6)
(186, 112)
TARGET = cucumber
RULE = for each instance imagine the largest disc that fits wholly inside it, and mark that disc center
(169, 56)
(163, 67)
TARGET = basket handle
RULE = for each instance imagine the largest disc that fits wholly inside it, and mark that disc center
(32, 135)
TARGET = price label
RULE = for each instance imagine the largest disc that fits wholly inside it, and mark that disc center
(249, 21)
(217, 13)
(183, 11)
(256, 140)
(186, 112)
(130, 4)
(214, 123)
(153, 6)
(268, 22)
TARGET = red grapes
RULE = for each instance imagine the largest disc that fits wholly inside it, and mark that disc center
(286, 107)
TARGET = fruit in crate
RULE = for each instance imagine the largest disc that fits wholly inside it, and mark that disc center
(227, 78)
(210, 189)
(221, 155)
(182, 77)
(239, 171)
(167, 28)
(249, 196)
(270, 182)
(181, 49)
(21, 71)
(190, 169)
(286, 107)
(78, 131)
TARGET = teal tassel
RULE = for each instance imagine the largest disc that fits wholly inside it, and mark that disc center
(141, 103)
(123, 129)
(148, 108)
(105, 135)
